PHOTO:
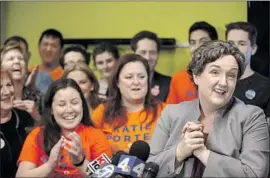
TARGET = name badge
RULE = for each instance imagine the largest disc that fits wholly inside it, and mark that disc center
(250, 94)
(2, 143)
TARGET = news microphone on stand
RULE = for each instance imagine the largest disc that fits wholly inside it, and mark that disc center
(128, 166)
(116, 157)
(151, 170)
(106, 169)
(94, 165)
(132, 165)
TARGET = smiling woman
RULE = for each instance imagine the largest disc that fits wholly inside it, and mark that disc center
(216, 135)
(26, 97)
(87, 81)
(130, 113)
(14, 126)
(67, 141)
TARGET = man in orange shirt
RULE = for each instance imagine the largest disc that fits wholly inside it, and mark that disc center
(50, 45)
(181, 87)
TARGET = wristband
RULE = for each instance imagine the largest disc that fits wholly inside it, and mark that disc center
(80, 163)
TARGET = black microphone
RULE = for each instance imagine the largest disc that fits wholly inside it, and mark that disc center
(132, 165)
(150, 170)
(140, 149)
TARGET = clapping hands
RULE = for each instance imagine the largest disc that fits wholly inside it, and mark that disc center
(191, 142)
(72, 144)
(74, 148)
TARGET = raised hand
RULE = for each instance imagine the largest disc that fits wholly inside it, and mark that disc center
(192, 126)
(55, 153)
(28, 106)
(74, 148)
(201, 152)
(30, 81)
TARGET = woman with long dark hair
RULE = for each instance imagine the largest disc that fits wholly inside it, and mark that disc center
(131, 112)
(67, 141)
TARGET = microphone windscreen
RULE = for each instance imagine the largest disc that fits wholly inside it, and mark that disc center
(116, 157)
(140, 149)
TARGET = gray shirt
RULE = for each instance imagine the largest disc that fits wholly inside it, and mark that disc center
(238, 142)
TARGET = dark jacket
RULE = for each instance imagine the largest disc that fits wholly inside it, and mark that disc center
(160, 86)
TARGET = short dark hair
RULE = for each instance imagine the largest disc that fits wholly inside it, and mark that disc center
(245, 26)
(51, 132)
(142, 35)
(17, 39)
(54, 34)
(74, 48)
(208, 28)
(211, 51)
(105, 47)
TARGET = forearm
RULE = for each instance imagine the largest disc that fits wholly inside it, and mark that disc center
(178, 166)
(36, 116)
(83, 168)
(179, 157)
(41, 171)
(202, 155)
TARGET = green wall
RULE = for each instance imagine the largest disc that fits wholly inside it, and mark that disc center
(121, 20)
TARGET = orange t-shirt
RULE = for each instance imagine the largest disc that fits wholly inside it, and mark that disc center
(94, 143)
(136, 128)
(181, 88)
(55, 74)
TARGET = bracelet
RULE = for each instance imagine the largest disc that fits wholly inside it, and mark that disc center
(80, 163)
